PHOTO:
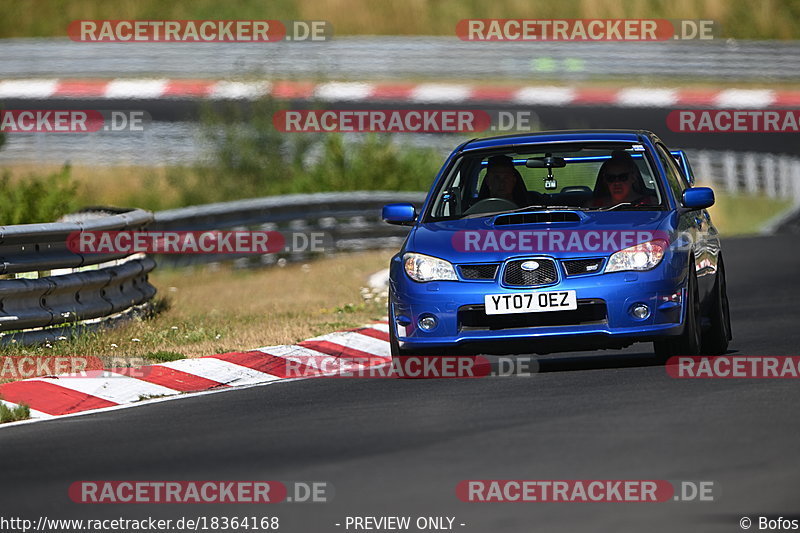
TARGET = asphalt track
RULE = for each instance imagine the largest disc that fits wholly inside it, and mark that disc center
(392, 447)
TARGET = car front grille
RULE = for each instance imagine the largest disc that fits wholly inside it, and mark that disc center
(483, 271)
(544, 274)
(474, 317)
(576, 267)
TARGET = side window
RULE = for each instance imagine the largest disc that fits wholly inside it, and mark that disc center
(674, 176)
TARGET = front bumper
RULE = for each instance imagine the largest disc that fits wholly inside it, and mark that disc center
(616, 293)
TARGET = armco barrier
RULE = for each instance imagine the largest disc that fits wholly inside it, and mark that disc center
(348, 220)
(401, 58)
(55, 286)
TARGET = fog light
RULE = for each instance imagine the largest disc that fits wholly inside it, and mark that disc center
(427, 322)
(640, 311)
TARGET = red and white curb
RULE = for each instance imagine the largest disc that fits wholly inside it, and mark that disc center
(420, 93)
(98, 390)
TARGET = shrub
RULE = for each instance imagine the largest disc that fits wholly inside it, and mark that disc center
(12, 414)
(37, 198)
(250, 158)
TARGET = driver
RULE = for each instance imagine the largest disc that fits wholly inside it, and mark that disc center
(504, 181)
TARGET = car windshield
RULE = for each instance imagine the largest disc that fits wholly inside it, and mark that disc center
(596, 176)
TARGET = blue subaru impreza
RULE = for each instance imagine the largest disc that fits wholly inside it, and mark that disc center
(556, 241)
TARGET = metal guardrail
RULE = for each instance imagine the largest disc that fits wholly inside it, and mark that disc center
(348, 221)
(357, 58)
(56, 286)
(751, 173)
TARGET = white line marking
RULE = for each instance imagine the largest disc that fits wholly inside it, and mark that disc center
(381, 327)
(438, 92)
(545, 95)
(122, 88)
(357, 341)
(343, 91)
(642, 97)
(739, 98)
(110, 386)
(324, 363)
(239, 90)
(28, 88)
(220, 371)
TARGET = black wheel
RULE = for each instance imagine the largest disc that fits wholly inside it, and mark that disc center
(716, 338)
(689, 342)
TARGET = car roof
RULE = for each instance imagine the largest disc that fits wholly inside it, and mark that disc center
(558, 136)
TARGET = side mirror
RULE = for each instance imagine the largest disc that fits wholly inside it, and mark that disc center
(401, 214)
(698, 197)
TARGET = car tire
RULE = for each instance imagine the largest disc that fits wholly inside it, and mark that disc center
(690, 341)
(717, 337)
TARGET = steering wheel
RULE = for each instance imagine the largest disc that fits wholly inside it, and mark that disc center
(489, 205)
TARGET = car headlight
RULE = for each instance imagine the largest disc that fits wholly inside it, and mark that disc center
(643, 256)
(420, 267)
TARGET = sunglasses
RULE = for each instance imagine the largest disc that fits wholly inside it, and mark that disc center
(611, 178)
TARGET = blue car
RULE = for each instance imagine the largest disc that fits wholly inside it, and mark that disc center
(559, 241)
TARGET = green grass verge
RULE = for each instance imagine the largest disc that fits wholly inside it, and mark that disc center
(738, 214)
(13, 414)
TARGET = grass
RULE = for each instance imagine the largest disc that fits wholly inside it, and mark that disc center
(738, 214)
(221, 310)
(741, 19)
(13, 414)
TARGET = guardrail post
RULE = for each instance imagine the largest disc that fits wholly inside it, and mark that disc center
(784, 177)
(769, 170)
(729, 172)
(796, 180)
(751, 173)
(705, 171)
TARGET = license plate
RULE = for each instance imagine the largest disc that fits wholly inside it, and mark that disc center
(530, 302)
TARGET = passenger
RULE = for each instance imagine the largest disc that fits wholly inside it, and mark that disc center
(619, 181)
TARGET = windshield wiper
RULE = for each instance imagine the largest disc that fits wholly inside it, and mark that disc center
(615, 206)
(631, 205)
(526, 208)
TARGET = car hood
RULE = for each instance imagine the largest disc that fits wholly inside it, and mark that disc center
(441, 239)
